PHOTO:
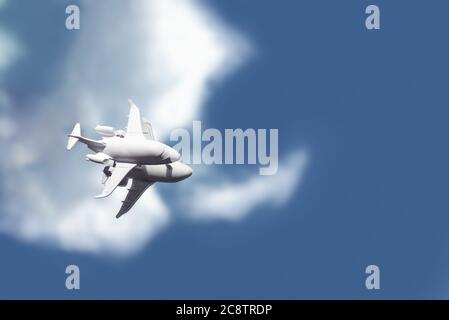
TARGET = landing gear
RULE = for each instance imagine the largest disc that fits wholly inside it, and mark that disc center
(106, 174)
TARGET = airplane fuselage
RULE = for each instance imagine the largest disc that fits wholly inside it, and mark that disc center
(140, 151)
(172, 172)
(132, 155)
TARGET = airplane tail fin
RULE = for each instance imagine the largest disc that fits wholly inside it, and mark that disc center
(75, 136)
(76, 132)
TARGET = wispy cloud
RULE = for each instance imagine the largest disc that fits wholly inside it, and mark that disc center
(9, 50)
(234, 200)
(195, 49)
(163, 54)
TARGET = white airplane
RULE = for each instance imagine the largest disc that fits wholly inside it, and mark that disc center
(133, 154)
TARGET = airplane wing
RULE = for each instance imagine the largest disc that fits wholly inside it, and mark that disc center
(134, 127)
(137, 188)
(148, 130)
(120, 171)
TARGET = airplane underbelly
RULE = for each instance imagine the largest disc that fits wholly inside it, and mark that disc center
(159, 173)
(144, 160)
(136, 156)
(163, 173)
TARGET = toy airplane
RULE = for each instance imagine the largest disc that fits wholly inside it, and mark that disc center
(133, 154)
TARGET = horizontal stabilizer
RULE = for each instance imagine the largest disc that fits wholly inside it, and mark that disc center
(94, 145)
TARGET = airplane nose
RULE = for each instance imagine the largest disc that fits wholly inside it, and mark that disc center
(189, 171)
(174, 155)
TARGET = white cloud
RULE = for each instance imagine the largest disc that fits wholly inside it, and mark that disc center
(162, 54)
(234, 200)
(91, 227)
(7, 127)
(88, 225)
(188, 52)
(9, 50)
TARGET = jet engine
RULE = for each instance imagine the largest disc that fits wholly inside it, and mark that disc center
(100, 158)
(105, 131)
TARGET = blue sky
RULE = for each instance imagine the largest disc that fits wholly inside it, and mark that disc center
(368, 107)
